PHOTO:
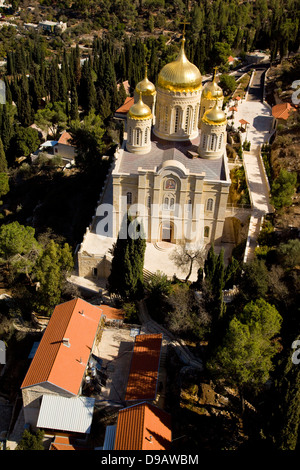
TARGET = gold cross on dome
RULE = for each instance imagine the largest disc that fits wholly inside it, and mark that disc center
(184, 24)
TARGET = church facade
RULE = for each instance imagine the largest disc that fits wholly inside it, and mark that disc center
(171, 172)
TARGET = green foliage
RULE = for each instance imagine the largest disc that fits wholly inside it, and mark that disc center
(87, 137)
(245, 356)
(31, 441)
(227, 83)
(283, 188)
(51, 270)
(4, 184)
(52, 119)
(18, 246)
(24, 142)
(126, 277)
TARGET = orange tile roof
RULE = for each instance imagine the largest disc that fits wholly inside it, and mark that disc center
(112, 313)
(143, 427)
(126, 105)
(59, 364)
(282, 110)
(65, 139)
(65, 443)
(143, 375)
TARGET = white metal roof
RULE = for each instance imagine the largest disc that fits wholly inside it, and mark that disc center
(66, 414)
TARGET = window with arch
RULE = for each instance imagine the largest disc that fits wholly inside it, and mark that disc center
(195, 117)
(146, 135)
(149, 202)
(206, 232)
(204, 141)
(129, 198)
(209, 204)
(169, 202)
(166, 119)
(220, 141)
(130, 134)
(187, 119)
(138, 136)
(213, 142)
(176, 121)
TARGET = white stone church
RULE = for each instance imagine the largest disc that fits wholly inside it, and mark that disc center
(171, 171)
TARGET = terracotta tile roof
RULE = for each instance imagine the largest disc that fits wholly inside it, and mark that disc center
(65, 443)
(129, 101)
(65, 139)
(138, 423)
(281, 110)
(54, 361)
(143, 375)
(112, 313)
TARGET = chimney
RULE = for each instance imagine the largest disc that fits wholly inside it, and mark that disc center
(66, 342)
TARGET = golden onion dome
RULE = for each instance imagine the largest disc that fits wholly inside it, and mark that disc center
(145, 86)
(214, 116)
(180, 75)
(212, 90)
(140, 110)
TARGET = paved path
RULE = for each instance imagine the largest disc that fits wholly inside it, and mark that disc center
(258, 132)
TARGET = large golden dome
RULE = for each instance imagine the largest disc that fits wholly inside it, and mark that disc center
(140, 110)
(212, 90)
(145, 86)
(214, 116)
(180, 75)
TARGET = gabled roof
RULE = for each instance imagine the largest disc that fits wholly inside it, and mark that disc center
(129, 101)
(143, 427)
(62, 355)
(65, 138)
(143, 375)
(282, 110)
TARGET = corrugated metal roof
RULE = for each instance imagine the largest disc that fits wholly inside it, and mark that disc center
(143, 375)
(66, 414)
(59, 364)
(143, 427)
(110, 435)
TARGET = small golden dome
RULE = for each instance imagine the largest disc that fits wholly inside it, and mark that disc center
(212, 90)
(145, 86)
(140, 110)
(180, 75)
(214, 116)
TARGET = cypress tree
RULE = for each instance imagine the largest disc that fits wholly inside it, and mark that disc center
(3, 161)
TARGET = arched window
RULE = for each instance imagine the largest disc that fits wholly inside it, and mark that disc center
(187, 119)
(213, 142)
(138, 136)
(166, 119)
(209, 204)
(172, 202)
(206, 232)
(146, 135)
(129, 198)
(204, 141)
(149, 202)
(220, 141)
(196, 113)
(176, 121)
(166, 203)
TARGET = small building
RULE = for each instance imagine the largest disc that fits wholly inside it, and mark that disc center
(140, 427)
(144, 369)
(64, 148)
(52, 26)
(281, 112)
(61, 361)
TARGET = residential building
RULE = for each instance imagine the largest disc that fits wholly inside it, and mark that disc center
(58, 368)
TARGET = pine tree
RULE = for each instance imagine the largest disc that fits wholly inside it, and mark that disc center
(3, 161)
